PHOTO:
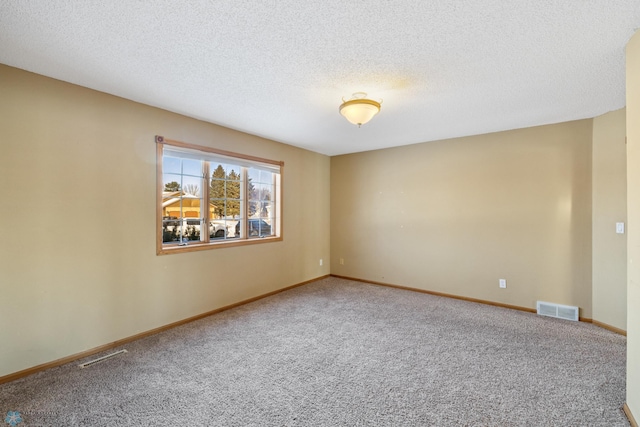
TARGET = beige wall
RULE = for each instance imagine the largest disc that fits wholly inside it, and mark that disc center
(609, 182)
(76, 277)
(633, 238)
(455, 216)
(450, 216)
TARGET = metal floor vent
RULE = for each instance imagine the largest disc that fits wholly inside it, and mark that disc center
(559, 311)
(100, 359)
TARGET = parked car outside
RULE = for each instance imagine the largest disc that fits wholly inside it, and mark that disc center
(255, 227)
(218, 229)
(190, 228)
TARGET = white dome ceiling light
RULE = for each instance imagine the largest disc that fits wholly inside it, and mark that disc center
(359, 110)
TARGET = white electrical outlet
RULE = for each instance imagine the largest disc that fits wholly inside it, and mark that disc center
(320, 261)
(503, 283)
(620, 227)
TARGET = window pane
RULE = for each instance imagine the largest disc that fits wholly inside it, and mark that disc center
(192, 228)
(171, 165)
(266, 210)
(233, 189)
(258, 227)
(234, 228)
(253, 208)
(263, 192)
(171, 182)
(233, 172)
(181, 199)
(224, 190)
(170, 229)
(258, 176)
(253, 175)
(191, 186)
(224, 208)
(266, 177)
(192, 167)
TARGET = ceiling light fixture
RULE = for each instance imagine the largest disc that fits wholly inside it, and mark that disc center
(359, 110)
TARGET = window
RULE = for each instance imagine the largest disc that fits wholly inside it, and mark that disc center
(210, 198)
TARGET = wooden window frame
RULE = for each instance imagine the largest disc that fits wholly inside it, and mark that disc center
(206, 244)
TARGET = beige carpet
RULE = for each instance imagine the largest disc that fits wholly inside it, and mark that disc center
(342, 353)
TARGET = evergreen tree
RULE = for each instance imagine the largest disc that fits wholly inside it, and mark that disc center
(253, 204)
(217, 193)
(172, 186)
(233, 193)
(224, 193)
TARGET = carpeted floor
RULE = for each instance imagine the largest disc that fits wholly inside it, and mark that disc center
(342, 353)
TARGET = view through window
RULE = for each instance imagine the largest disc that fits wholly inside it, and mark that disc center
(211, 198)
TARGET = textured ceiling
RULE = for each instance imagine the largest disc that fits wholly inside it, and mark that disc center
(279, 69)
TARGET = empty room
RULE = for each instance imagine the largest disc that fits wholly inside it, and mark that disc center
(418, 213)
